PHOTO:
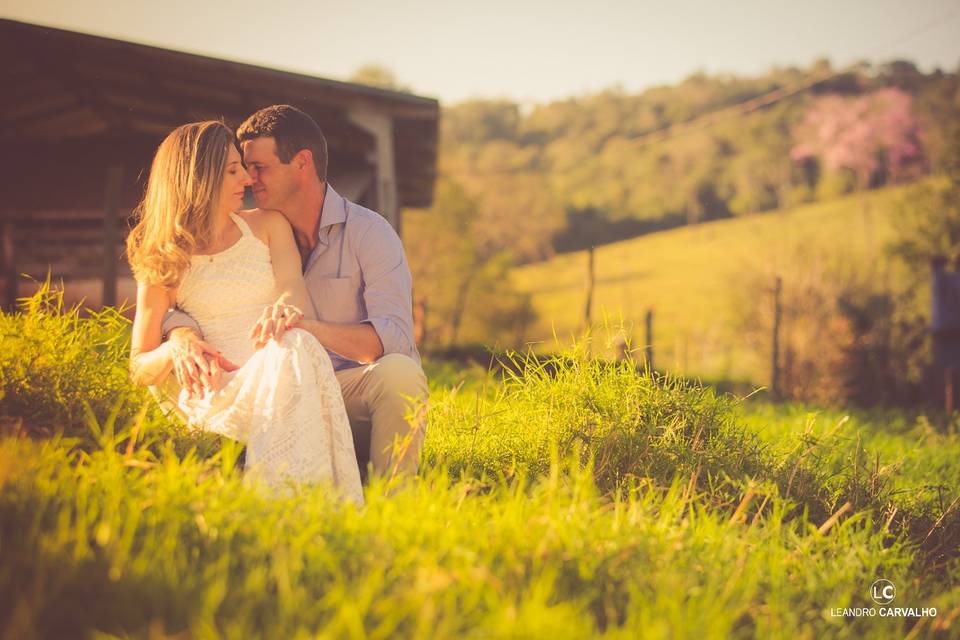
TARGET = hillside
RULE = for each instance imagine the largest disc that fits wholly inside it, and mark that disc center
(699, 279)
(516, 186)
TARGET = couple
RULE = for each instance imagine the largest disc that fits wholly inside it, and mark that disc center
(289, 327)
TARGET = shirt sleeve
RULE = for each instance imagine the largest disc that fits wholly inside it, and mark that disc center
(174, 319)
(387, 289)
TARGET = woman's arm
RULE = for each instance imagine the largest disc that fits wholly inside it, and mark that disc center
(357, 341)
(150, 360)
(294, 302)
(286, 264)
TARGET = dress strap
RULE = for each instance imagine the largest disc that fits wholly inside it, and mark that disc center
(242, 225)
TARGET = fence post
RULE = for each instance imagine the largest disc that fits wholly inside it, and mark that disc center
(590, 281)
(945, 328)
(620, 342)
(648, 344)
(420, 322)
(775, 359)
(949, 389)
(111, 223)
(9, 266)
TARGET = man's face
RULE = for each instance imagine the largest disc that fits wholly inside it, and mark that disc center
(274, 183)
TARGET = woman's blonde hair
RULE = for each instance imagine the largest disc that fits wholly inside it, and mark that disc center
(176, 215)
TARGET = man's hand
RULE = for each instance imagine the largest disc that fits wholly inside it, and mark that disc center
(196, 365)
(274, 321)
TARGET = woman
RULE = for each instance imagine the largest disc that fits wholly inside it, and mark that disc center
(192, 247)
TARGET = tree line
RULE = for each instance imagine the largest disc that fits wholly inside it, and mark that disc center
(580, 172)
(520, 184)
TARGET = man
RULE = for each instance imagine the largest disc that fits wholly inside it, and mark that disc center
(358, 279)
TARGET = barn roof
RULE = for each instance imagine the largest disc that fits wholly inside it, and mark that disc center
(85, 96)
(81, 117)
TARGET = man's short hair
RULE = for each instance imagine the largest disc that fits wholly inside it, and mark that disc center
(292, 129)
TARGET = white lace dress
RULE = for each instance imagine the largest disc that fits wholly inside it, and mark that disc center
(284, 402)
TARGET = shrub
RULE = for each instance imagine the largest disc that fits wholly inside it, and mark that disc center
(54, 361)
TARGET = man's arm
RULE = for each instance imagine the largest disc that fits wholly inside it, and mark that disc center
(354, 340)
(387, 290)
(175, 319)
(196, 364)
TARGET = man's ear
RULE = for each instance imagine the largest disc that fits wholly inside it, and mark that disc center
(303, 160)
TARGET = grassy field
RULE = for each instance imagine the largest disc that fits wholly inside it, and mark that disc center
(696, 279)
(577, 499)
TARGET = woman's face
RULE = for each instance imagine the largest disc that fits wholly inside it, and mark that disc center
(235, 180)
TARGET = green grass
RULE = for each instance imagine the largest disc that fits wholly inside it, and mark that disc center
(577, 499)
(919, 457)
(696, 278)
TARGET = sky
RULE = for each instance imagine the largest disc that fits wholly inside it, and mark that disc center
(529, 52)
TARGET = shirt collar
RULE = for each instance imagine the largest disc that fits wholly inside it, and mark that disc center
(334, 208)
(334, 212)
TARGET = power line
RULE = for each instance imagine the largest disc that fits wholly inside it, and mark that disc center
(736, 110)
(745, 107)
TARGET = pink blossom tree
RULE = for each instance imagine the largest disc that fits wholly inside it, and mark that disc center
(875, 132)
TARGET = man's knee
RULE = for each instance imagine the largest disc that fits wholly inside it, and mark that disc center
(397, 373)
(398, 404)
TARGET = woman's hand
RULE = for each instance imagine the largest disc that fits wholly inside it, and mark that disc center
(197, 365)
(274, 321)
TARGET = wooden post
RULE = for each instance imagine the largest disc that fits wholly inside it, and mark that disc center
(945, 328)
(380, 127)
(648, 345)
(775, 357)
(420, 322)
(620, 343)
(784, 183)
(522, 325)
(590, 282)
(949, 389)
(686, 353)
(111, 206)
(10, 274)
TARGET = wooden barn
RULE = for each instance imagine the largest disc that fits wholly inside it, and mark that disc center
(81, 116)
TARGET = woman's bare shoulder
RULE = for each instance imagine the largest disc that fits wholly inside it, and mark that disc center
(262, 217)
(261, 221)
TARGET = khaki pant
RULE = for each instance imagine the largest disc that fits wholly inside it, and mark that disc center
(386, 403)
